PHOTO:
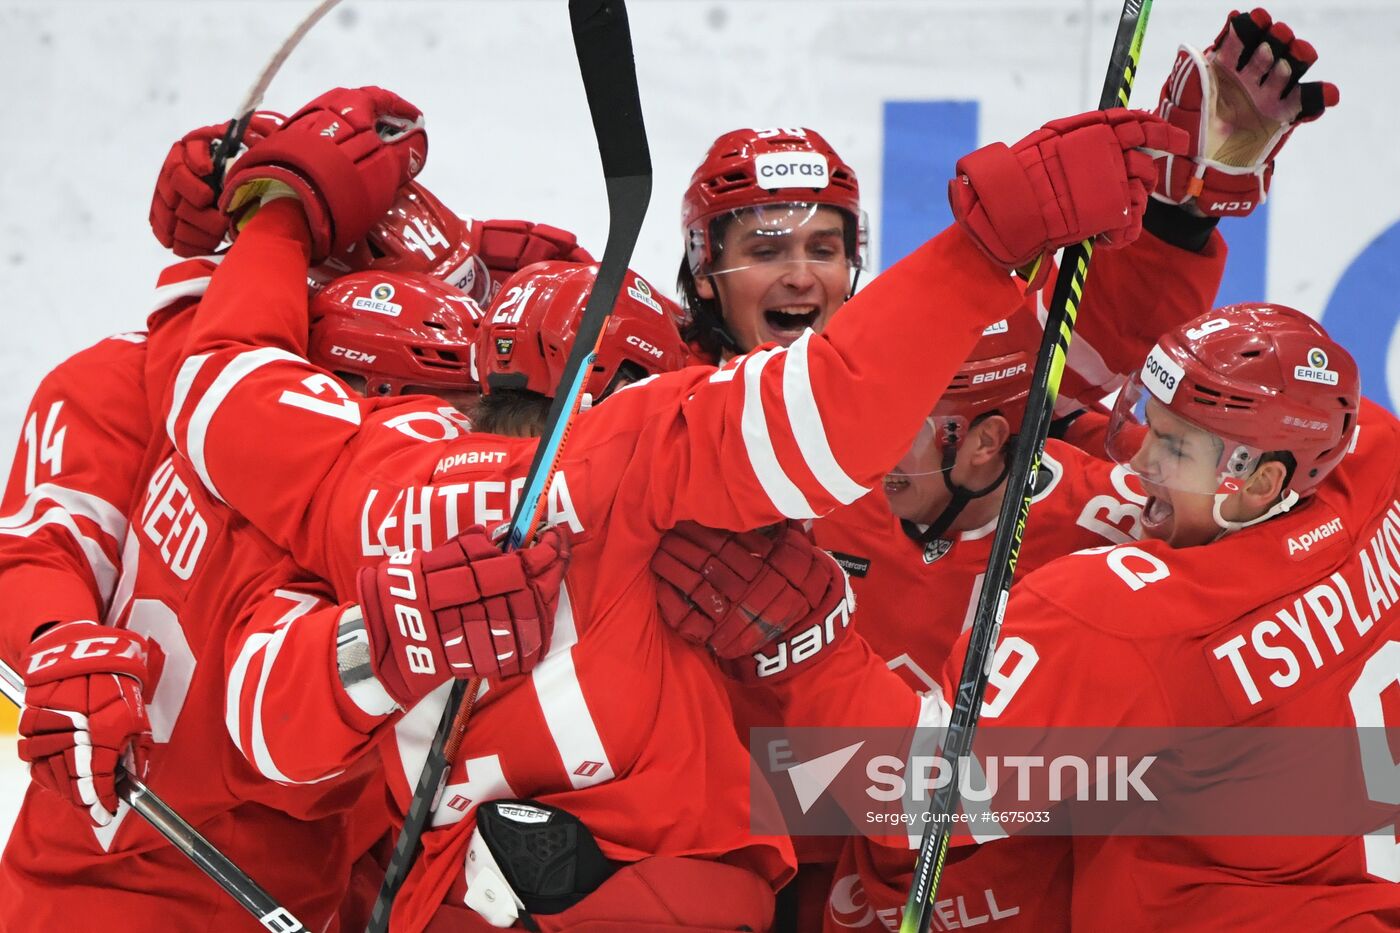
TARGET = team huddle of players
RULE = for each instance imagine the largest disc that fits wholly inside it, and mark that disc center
(246, 552)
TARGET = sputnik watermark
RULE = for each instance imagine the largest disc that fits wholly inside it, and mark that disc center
(1080, 781)
(1066, 777)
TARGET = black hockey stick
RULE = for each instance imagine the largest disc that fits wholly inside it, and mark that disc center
(232, 140)
(185, 837)
(1011, 522)
(603, 44)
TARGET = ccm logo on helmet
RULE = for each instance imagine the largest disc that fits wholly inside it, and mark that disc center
(645, 347)
(1161, 375)
(791, 170)
(354, 356)
(1006, 373)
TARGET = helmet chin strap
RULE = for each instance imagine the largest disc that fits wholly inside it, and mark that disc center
(961, 497)
(1289, 500)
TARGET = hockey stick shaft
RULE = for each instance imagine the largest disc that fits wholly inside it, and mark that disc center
(603, 44)
(184, 837)
(1015, 509)
(233, 136)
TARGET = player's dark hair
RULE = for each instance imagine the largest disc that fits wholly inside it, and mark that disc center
(705, 328)
(512, 413)
(522, 413)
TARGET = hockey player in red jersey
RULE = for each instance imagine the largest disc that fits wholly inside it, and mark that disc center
(354, 491)
(78, 477)
(890, 576)
(1179, 629)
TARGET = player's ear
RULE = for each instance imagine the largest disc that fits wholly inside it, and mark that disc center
(988, 439)
(1264, 486)
(705, 287)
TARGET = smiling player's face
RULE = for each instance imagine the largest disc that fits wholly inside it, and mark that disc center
(774, 279)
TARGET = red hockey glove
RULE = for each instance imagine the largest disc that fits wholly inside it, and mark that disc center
(1239, 101)
(184, 216)
(1080, 177)
(805, 644)
(736, 592)
(507, 246)
(344, 155)
(461, 610)
(83, 711)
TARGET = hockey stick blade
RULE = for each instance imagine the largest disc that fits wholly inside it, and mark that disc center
(603, 44)
(233, 137)
(180, 834)
(1015, 509)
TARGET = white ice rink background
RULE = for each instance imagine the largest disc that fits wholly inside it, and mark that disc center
(96, 91)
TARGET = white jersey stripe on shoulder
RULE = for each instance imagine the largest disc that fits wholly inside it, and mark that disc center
(166, 295)
(807, 426)
(565, 709)
(758, 443)
(239, 368)
(184, 378)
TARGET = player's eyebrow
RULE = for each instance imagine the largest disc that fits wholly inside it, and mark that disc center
(1177, 439)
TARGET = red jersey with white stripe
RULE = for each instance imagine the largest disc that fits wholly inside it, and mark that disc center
(623, 724)
(81, 447)
(912, 603)
(1289, 623)
(129, 532)
(914, 600)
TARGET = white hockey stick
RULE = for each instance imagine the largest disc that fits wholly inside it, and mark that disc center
(233, 139)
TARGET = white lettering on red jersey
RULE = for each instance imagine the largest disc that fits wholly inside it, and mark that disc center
(790, 432)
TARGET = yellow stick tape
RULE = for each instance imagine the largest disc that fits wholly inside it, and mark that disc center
(9, 719)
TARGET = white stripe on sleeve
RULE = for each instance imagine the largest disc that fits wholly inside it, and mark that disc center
(169, 294)
(233, 694)
(807, 427)
(239, 368)
(104, 572)
(262, 755)
(758, 443)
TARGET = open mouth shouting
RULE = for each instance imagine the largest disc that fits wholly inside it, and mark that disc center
(787, 322)
(1156, 515)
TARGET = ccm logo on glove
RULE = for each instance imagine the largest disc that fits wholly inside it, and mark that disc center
(84, 648)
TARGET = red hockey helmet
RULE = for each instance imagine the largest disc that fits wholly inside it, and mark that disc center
(793, 170)
(530, 328)
(396, 330)
(996, 377)
(417, 234)
(1259, 378)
